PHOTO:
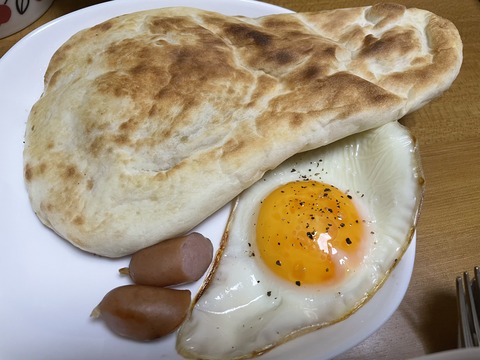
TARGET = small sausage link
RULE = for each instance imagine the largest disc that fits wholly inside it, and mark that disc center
(171, 262)
(143, 312)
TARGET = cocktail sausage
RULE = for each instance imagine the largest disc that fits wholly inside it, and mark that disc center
(172, 262)
(143, 312)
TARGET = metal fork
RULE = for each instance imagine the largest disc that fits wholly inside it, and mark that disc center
(468, 301)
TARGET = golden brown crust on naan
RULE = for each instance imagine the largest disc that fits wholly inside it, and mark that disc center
(152, 121)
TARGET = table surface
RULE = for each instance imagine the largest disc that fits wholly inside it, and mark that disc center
(448, 239)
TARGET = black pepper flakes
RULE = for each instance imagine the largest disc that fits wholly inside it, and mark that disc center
(269, 293)
(278, 262)
(298, 283)
(349, 242)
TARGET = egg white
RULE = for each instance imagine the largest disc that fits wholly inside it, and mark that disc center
(244, 309)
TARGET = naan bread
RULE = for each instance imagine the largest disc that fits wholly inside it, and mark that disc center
(152, 121)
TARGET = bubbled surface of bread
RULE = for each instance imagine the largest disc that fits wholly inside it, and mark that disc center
(151, 121)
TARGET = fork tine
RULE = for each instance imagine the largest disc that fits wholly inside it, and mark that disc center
(464, 338)
(474, 325)
(476, 288)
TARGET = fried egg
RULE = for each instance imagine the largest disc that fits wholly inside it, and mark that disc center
(307, 245)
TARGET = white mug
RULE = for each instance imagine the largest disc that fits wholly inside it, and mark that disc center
(16, 15)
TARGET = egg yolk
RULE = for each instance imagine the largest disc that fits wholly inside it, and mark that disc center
(309, 232)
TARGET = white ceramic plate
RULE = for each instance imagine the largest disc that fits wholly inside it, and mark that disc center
(49, 288)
